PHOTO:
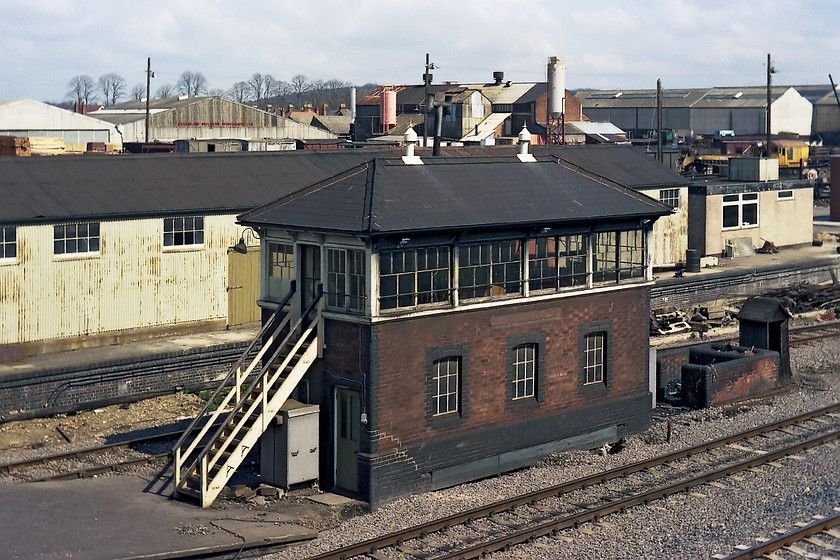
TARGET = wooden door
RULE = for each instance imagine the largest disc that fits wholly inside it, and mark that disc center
(347, 426)
(243, 289)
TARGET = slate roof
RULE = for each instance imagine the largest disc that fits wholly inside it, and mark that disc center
(386, 196)
(54, 189)
(92, 187)
(623, 164)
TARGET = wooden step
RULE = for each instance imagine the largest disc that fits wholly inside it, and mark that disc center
(188, 492)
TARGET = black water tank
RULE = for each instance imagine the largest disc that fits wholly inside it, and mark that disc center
(692, 260)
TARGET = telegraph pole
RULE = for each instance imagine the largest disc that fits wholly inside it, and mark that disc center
(769, 79)
(148, 84)
(427, 80)
(659, 120)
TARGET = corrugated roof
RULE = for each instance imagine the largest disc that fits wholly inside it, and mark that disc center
(26, 114)
(674, 98)
(501, 94)
(386, 196)
(591, 127)
(486, 128)
(337, 124)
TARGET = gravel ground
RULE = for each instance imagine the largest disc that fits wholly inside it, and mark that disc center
(707, 521)
(30, 439)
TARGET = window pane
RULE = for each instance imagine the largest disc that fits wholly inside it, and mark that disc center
(750, 214)
(594, 358)
(183, 231)
(730, 216)
(418, 276)
(446, 385)
(524, 371)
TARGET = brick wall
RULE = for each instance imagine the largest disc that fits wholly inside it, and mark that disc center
(720, 374)
(721, 286)
(402, 431)
(43, 393)
(669, 366)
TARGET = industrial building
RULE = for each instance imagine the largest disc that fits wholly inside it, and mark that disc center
(479, 113)
(701, 112)
(53, 129)
(202, 118)
(98, 249)
(476, 314)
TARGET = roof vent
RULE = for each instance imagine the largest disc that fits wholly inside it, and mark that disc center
(738, 95)
(498, 78)
(525, 139)
(410, 139)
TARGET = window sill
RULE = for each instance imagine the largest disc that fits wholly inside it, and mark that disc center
(182, 248)
(736, 228)
(76, 256)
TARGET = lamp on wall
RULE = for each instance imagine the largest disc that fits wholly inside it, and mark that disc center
(241, 247)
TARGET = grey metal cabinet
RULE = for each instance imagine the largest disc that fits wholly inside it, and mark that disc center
(289, 447)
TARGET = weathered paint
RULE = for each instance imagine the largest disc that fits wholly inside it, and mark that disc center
(670, 233)
(133, 282)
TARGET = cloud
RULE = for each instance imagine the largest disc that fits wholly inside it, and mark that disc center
(605, 44)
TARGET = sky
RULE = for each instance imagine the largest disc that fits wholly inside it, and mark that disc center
(605, 44)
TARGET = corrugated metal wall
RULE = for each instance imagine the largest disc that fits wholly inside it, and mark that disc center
(132, 283)
(670, 233)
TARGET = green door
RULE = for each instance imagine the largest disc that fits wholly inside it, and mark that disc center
(347, 418)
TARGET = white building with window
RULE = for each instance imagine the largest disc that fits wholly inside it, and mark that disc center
(99, 249)
(724, 214)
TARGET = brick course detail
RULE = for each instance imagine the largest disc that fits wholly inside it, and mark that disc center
(404, 450)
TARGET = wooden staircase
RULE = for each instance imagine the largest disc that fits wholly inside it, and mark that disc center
(246, 401)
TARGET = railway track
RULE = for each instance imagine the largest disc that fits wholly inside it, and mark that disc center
(95, 460)
(91, 461)
(520, 519)
(817, 539)
(798, 335)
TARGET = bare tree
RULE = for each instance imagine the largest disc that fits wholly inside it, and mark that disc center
(138, 92)
(82, 89)
(238, 92)
(164, 91)
(336, 92)
(317, 91)
(299, 86)
(268, 85)
(192, 83)
(279, 88)
(216, 92)
(112, 87)
(255, 86)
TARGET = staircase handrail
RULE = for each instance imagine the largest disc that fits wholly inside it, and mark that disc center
(266, 326)
(253, 408)
(252, 388)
